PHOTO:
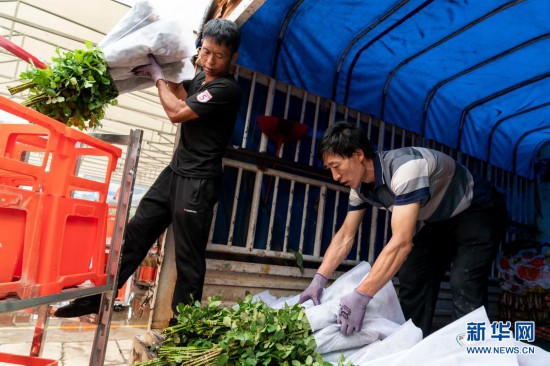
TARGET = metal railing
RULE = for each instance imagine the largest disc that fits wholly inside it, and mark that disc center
(314, 208)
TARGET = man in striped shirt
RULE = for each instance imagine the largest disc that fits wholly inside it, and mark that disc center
(462, 222)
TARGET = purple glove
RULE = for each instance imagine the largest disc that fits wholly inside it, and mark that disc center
(352, 311)
(152, 70)
(314, 290)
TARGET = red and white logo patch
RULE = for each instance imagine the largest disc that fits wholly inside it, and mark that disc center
(204, 97)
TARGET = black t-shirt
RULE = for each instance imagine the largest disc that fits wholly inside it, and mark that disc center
(203, 140)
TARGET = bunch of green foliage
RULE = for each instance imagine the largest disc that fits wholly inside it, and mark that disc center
(250, 333)
(75, 89)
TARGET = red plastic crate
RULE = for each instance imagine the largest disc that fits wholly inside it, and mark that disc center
(70, 226)
(20, 211)
(72, 244)
(73, 147)
(16, 140)
(7, 358)
(63, 149)
(53, 251)
(147, 274)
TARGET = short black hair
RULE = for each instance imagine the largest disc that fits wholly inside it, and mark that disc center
(223, 32)
(343, 139)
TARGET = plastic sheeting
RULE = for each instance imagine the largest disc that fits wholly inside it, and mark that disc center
(472, 75)
(442, 348)
(387, 340)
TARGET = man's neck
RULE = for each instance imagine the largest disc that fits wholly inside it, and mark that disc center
(369, 177)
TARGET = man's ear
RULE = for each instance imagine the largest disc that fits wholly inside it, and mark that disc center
(197, 58)
(360, 154)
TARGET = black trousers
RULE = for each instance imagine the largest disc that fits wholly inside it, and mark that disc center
(468, 242)
(188, 204)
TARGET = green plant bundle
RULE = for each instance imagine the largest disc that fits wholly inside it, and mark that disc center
(75, 89)
(250, 333)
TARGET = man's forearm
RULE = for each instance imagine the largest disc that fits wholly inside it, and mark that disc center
(176, 109)
(177, 89)
(385, 267)
(395, 252)
(336, 253)
(341, 243)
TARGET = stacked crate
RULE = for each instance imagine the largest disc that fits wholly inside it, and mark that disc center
(50, 238)
(9, 359)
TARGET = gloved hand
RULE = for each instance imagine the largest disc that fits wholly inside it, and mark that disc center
(352, 311)
(152, 70)
(314, 290)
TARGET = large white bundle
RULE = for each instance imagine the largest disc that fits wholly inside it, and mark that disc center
(439, 348)
(160, 27)
(387, 340)
(382, 318)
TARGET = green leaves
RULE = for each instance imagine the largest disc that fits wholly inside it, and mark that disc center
(75, 89)
(299, 260)
(223, 359)
(250, 333)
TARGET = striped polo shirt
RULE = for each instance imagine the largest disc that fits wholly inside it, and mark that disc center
(443, 187)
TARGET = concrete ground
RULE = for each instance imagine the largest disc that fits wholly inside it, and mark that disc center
(70, 341)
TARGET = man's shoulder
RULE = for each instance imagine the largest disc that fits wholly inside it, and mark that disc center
(403, 155)
(227, 86)
(403, 151)
(199, 77)
(227, 80)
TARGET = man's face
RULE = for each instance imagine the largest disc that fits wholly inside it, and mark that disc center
(346, 171)
(216, 58)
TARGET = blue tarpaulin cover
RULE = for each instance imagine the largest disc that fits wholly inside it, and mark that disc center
(470, 74)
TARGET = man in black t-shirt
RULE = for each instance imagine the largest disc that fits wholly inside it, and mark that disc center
(186, 191)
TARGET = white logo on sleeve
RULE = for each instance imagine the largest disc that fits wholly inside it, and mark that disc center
(204, 97)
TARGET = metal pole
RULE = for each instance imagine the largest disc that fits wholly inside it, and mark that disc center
(234, 208)
(107, 300)
(249, 110)
(40, 330)
(388, 213)
(259, 174)
(276, 189)
(293, 182)
(336, 206)
(311, 156)
(332, 113)
(360, 231)
(320, 221)
(240, 171)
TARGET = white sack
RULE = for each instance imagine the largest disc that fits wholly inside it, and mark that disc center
(383, 315)
(539, 358)
(442, 348)
(330, 339)
(401, 340)
(127, 82)
(385, 341)
(265, 297)
(157, 27)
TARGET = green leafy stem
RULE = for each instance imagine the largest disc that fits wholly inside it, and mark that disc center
(249, 334)
(74, 89)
